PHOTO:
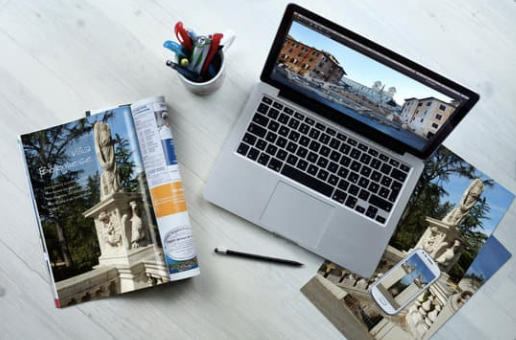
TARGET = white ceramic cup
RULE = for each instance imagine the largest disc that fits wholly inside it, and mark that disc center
(212, 85)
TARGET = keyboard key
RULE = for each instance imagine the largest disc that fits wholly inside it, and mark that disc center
(363, 182)
(291, 147)
(380, 219)
(333, 180)
(344, 148)
(331, 132)
(335, 156)
(405, 168)
(355, 153)
(256, 130)
(374, 187)
(314, 146)
(271, 149)
(343, 184)
(322, 175)
(398, 175)
(253, 154)
(380, 203)
(293, 123)
(345, 161)
(341, 137)
(304, 128)
(339, 196)
(363, 195)
(283, 130)
(304, 141)
(325, 151)
(302, 152)
(314, 133)
(335, 143)
(267, 100)
(271, 137)
(320, 126)
(394, 163)
(375, 164)
(273, 126)
(360, 209)
(312, 157)
(325, 139)
(333, 167)
(363, 147)
(291, 159)
(283, 118)
(384, 192)
(263, 159)
(243, 148)
(352, 142)
(353, 190)
(309, 121)
(355, 166)
(386, 168)
(249, 139)
(261, 120)
(281, 142)
(383, 157)
(371, 211)
(261, 144)
(275, 164)
(294, 136)
(386, 181)
(343, 172)
(312, 169)
(273, 113)
(302, 164)
(278, 105)
(376, 176)
(282, 155)
(373, 152)
(350, 202)
(299, 115)
(366, 171)
(307, 180)
(263, 108)
(353, 177)
(288, 110)
(322, 162)
(365, 159)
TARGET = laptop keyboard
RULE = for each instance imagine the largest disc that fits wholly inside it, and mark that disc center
(323, 159)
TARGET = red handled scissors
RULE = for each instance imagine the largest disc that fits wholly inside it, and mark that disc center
(182, 36)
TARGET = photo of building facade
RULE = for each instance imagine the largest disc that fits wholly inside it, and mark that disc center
(425, 116)
(308, 61)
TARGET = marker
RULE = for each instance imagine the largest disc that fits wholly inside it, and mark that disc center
(183, 71)
(225, 251)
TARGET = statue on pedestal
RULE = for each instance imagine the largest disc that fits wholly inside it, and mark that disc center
(469, 198)
(109, 179)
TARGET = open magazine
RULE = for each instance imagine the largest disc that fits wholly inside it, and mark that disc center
(109, 202)
(451, 216)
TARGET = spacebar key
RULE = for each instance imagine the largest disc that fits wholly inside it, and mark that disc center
(307, 180)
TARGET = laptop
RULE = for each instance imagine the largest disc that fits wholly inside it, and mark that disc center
(331, 142)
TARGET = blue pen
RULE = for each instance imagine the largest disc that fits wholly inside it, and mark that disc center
(176, 48)
(183, 71)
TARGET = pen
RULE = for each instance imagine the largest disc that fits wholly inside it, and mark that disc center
(183, 71)
(225, 251)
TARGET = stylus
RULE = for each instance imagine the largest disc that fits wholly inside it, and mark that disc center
(224, 251)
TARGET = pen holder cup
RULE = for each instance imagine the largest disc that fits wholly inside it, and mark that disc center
(208, 83)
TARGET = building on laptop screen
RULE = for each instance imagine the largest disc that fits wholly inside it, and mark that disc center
(314, 61)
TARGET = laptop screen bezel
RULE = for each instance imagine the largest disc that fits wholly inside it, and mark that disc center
(401, 64)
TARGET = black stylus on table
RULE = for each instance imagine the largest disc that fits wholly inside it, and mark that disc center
(224, 251)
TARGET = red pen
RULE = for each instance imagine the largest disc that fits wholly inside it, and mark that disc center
(182, 36)
(214, 46)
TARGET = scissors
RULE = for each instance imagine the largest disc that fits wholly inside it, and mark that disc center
(182, 36)
(176, 48)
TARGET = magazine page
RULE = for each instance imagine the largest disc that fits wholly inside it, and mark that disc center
(92, 207)
(166, 189)
(451, 216)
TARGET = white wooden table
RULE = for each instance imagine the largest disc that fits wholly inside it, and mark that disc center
(60, 58)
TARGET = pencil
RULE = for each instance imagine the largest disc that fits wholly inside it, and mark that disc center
(224, 251)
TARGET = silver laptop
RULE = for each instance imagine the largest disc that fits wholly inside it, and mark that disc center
(331, 142)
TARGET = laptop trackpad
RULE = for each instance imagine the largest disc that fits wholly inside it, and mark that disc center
(296, 215)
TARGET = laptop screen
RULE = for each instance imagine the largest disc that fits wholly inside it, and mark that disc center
(364, 82)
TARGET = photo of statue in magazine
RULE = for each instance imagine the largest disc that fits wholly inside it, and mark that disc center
(109, 202)
(451, 216)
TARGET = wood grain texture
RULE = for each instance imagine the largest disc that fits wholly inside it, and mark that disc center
(60, 58)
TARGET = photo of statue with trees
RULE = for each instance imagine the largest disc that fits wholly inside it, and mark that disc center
(96, 219)
(452, 214)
